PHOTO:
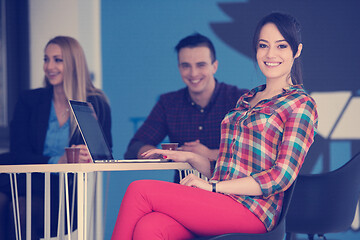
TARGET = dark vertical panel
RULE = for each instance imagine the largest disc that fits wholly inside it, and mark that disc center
(17, 51)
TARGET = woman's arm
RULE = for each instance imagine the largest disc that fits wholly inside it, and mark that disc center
(299, 131)
(241, 186)
(29, 125)
(200, 163)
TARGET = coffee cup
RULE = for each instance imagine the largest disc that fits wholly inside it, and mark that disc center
(169, 146)
(72, 154)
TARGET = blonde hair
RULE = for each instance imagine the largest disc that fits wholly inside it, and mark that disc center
(77, 81)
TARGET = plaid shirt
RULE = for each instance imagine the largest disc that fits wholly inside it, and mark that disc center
(177, 116)
(268, 142)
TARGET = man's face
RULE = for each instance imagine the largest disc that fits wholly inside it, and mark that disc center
(196, 69)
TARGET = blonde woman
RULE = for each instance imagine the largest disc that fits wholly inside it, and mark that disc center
(67, 74)
(42, 125)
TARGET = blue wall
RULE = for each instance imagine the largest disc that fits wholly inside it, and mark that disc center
(139, 63)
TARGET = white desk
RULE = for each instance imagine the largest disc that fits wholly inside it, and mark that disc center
(81, 171)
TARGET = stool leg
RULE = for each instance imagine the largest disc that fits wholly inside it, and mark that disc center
(28, 206)
(15, 202)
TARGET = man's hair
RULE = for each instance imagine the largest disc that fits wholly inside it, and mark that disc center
(196, 40)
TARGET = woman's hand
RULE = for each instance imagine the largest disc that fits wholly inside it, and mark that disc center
(63, 159)
(84, 156)
(197, 161)
(193, 181)
(176, 156)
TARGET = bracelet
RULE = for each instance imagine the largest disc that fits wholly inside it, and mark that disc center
(213, 187)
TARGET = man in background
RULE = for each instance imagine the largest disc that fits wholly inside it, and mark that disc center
(192, 115)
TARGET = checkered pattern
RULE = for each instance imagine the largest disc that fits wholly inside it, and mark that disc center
(268, 142)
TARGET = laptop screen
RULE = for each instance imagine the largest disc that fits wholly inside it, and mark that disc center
(91, 130)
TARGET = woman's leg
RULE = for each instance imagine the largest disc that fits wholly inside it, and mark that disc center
(159, 226)
(199, 211)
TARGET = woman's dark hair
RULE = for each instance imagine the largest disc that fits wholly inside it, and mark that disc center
(289, 28)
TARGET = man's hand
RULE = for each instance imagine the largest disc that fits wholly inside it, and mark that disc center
(197, 147)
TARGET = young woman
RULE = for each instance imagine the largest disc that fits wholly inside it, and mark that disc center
(264, 141)
(42, 125)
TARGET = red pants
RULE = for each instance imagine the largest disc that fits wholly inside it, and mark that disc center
(162, 210)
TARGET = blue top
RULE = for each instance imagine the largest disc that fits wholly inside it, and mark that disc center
(57, 138)
(30, 124)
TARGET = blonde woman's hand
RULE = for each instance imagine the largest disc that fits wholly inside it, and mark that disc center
(84, 156)
(63, 159)
(193, 181)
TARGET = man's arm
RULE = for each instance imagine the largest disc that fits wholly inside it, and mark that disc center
(151, 133)
(197, 147)
(144, 149)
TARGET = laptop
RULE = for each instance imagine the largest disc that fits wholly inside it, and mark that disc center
(93, 135)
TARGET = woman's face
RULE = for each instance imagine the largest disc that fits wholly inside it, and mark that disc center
(54, 64)
(274, 54)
